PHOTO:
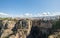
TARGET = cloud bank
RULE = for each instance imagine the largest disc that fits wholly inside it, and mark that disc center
(42, 14)
(3, 13)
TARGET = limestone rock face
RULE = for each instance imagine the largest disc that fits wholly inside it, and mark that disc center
(25, 28)
(51, 36)
(14, 29)
(6, 33)
(6, 29)
(55, 35)
(12, 36)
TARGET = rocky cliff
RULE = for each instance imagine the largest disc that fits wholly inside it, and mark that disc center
(14, 29)
(25, 28)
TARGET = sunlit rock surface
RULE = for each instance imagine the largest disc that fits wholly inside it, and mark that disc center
(26, 28)
(55, 35)
(15, 29)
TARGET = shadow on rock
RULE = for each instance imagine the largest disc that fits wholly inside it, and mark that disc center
(35, 33)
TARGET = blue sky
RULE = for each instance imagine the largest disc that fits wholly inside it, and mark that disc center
(29, 7)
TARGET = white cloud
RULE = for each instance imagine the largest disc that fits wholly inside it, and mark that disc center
(46, 14)
(3, 13)
(27, 15)
(24, 15)
(41, 14)
(56, 13)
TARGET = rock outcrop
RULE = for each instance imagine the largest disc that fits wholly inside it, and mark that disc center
(14, 29)
(26, 28)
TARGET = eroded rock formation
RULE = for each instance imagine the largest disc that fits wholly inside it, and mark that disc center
(25, 28)
(14, 29)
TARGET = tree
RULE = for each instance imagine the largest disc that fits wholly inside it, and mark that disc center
(56, 24)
